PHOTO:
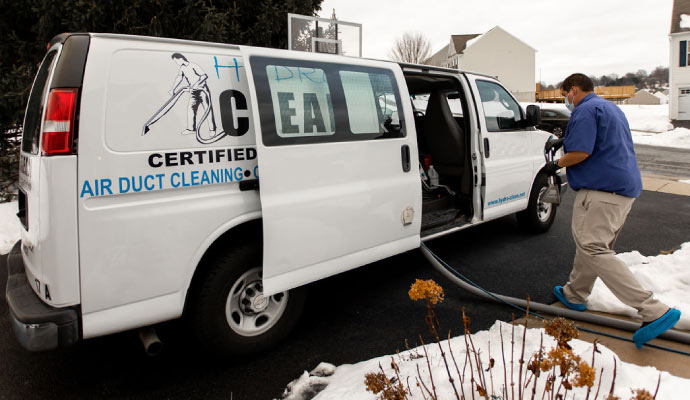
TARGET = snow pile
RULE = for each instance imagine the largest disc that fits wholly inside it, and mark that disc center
(9, 226)
(647, 118)
(667, 275)
(309, 383)
(348, 380)
(679, 138)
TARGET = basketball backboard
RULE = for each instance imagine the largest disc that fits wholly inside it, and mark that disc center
(324, 35)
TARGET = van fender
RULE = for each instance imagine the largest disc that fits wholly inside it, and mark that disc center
(224, 231)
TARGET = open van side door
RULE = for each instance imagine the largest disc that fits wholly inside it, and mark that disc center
(338, 167)
(507, 148)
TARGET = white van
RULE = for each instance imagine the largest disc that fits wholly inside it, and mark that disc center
(162, 178)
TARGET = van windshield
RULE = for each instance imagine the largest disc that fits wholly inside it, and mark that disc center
(34, 109)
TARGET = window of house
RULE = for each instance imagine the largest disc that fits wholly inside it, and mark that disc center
(683, 56)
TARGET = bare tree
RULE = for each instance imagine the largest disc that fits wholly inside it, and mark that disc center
(412, 48)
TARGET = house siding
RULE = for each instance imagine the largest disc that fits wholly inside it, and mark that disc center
(500, 54)
(679, 77)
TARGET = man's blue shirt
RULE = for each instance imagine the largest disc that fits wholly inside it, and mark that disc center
(600, 129)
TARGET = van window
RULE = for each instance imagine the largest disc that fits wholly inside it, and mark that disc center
(34, 109)
(501, 111)
(371, 102)
(304, 102)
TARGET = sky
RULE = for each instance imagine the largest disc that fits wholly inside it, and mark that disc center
(595, 37)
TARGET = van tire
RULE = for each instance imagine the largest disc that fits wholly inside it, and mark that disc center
(218, 319)
(538, 217)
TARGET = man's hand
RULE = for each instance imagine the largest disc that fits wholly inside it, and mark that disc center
(551, 167)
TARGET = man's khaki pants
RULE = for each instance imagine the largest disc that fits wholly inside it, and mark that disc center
(597, 219)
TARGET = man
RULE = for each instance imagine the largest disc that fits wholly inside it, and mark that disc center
(602, 169)
(199, 96)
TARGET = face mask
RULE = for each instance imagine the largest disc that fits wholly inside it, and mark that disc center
(570, 106)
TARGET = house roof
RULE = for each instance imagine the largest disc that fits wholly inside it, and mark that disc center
(439, 57)
(460, 41)
(680, 7)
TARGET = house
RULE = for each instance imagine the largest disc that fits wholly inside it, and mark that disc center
(663, 98)
(679, 64)
(496, 53)
(644, 96)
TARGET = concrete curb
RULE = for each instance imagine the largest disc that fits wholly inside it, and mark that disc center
(665, 185)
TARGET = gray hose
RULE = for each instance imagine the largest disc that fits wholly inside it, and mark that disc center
(673, 335)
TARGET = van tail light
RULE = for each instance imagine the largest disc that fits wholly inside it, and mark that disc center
(58, 126)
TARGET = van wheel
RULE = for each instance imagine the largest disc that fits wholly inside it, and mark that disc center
(229, 314)
(539, 216)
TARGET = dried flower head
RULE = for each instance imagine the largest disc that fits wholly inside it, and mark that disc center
(564, 358)
(375, 382)
(585, 375)
(389, 389)
(612, 397)
(641, 394)
(562, 330)
(426, 290)
(394, 392)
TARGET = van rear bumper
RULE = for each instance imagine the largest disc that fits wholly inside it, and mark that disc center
(38, 326)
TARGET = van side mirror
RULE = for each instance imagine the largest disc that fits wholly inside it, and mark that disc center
(532, 116)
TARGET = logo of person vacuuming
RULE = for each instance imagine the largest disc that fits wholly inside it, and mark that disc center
(173, 164)
(191, 83)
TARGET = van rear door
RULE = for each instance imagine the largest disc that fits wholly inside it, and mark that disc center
(48, 170)
(339, 175)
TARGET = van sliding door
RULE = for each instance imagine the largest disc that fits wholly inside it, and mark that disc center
(338, 166)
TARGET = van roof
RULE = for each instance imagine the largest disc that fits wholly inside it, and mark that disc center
(423, 67)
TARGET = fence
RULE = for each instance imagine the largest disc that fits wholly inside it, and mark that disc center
(613, 93)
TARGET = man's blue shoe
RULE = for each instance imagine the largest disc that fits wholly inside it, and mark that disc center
(558, 291)
(650, 330)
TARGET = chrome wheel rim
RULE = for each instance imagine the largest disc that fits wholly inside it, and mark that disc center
(543, 209)
(247, 311)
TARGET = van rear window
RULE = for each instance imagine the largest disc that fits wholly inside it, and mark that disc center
(303, 102)
(34, 109)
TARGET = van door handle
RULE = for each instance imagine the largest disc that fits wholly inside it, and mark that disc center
(486, 148)
(249, 184)
(405, 155)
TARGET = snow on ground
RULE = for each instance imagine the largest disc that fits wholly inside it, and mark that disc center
(9, 226)
(647, 118)
(684, 181)
(347, 381)
(667, 275)
(650, 125)
(679, 138)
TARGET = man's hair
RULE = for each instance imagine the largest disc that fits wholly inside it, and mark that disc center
(178, 55)
(580, 80)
